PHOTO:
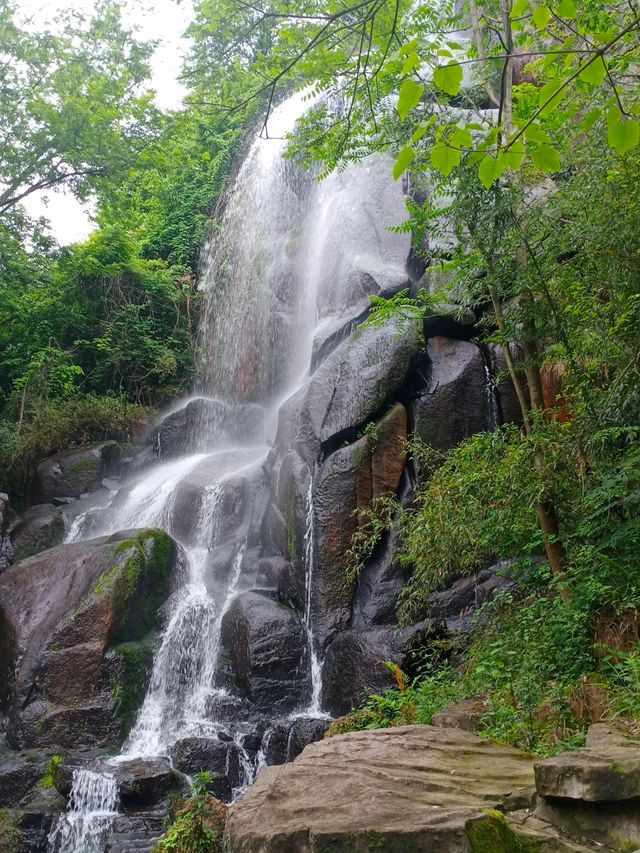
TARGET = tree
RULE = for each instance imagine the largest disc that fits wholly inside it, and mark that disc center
(73, 110)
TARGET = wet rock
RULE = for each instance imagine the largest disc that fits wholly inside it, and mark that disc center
(217, 757)
(143, 782)
(40, 527)
(24, 830)
(76, 657)
(330, 335)
(286, 739)
(450, 321)
(457, 605)
(203, 423)
(354, 383)
(378, 586)
(267, 647)
(508, 405)
(348, 481)
(73, 472)
(19, 774)
(410, 788)
(6, 547)
(455, 403)
(354, 666)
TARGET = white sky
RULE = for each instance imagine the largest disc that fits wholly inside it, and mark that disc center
(161, 20)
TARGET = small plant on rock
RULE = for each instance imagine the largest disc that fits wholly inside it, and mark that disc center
(199, 821)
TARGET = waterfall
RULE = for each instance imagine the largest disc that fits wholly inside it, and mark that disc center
(92, 806)
(490, 390)
(292, 258)
(314, 709)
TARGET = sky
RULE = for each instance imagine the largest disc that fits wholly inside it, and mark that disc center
(161, 20)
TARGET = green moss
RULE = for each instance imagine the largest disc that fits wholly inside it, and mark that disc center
(292, 537)
(10, 831)
(139, 585)
(491, 833)
(87, 465)
(130, 686)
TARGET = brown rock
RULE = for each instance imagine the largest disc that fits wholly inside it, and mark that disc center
(415, 788)
(463, 715)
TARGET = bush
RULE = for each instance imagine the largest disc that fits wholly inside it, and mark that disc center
(199, 822)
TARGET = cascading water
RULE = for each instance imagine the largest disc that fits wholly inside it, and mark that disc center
(92, 806)
(287, 259)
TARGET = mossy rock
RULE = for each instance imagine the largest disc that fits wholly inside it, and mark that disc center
(10, 831)
(490, 833)
(130, 683)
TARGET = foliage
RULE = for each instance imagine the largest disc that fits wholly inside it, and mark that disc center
(74, 109)
(199, 822)
(58, 425)
(47, 779)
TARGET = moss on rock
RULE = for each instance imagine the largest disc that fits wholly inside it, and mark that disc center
(10, 831)
(490, 833)
(130, 684)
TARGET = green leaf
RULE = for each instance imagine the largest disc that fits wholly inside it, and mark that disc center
(423, 128)
(519, 8)
(541, 17)
(590, 119)
(513, 156)
(448, 78)
(408, 47)
(567, 9)
(623, 133)
(445, 159)
(461, 138)
(409, 97)
(410, 63)
(546, 159)
(595, 72)
(490, 170)
(549, 93)
(537, 135)
(405, 158)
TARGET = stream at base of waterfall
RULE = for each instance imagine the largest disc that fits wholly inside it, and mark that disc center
(269, 280)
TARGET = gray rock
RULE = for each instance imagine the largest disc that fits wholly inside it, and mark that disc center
(217, 757)
(19, 774)
(40, 527)
(354, 666)
(355, 382)
(72, 472)
(6, 546)
(410, 788)
(267, 647)
(455, 403)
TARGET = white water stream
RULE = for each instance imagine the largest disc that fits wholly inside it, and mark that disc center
(287, 261)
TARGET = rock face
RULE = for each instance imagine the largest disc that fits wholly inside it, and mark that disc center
(455, 403)
(355, 382)
(39, 528)
(72, 472)
(75, 637)
(6, 547)
(267, 648)
(594, 792)
(412, 788)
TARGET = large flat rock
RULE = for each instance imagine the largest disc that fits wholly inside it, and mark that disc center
(408, 788)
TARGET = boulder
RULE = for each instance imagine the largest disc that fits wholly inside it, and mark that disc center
(202, 423)
(268, 652)
(408, 788)
(6, 547)
(70, 473)
(218, 757)
(455, 402)
(77, 635)
(359, 377)
(457, 605)
(349, 480)
(594, 792)
(40, 527)
(285, 740)
(19, 774)
(461, 715)
(141, 781)
(354, 666)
